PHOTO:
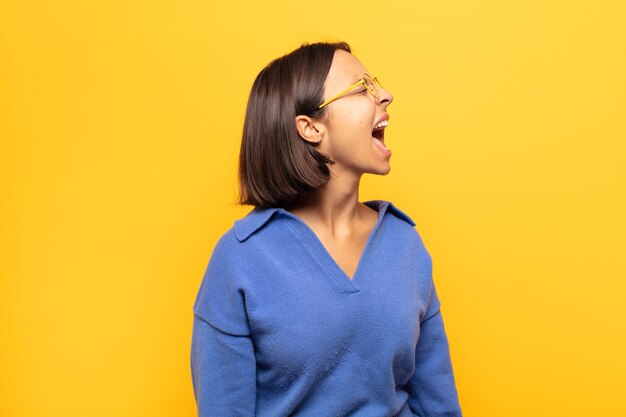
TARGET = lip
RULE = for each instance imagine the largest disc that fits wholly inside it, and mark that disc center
(383, 117)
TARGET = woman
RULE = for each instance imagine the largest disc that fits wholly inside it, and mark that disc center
(315, 304)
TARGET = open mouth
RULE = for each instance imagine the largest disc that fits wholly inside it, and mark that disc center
(378, 137)
(379, 134)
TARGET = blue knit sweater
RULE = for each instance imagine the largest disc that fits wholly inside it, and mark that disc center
(280, 330)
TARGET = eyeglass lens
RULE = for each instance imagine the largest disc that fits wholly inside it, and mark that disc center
(372, 84)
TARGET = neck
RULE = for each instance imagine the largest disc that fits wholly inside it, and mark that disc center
(334, 207)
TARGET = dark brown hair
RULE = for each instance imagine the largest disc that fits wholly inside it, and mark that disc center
(276, 166)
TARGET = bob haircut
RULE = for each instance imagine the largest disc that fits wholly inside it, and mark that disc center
(277, 166)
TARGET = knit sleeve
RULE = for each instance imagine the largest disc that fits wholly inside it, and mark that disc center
(223, 372)
(223, 364)
(221, 297)
(432, 389)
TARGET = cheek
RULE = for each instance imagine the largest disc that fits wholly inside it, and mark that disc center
(352, 133)
(360, 120)
(352, 124)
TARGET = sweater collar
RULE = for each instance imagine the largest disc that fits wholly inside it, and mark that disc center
(257, 217)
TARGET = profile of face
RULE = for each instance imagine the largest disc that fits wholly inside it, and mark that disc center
(345, 133)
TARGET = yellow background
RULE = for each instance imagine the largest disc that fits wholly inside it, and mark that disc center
(120, 126)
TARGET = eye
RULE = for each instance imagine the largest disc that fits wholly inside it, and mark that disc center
(363, 91)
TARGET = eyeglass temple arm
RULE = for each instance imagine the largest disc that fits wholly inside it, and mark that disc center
(342, 93)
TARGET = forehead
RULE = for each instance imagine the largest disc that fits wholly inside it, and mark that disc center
(344, 70)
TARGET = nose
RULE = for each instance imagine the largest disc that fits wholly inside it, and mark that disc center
(385, 97)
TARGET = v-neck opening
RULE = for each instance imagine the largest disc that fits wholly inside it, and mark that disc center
(326, 261)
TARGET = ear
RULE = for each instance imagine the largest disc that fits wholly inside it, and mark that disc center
(309, 130)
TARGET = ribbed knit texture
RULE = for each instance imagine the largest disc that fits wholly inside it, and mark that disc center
(280, 330)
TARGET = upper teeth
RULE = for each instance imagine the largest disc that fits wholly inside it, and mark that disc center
(381, 125)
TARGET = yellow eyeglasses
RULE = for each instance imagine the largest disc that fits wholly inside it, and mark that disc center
(371, 83)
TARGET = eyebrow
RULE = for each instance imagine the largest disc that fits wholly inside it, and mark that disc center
(359, 78)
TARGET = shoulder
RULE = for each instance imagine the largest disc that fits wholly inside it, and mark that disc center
(246, 226)
(389, 207)
(242, 228)
(399, 218)
(400, 225)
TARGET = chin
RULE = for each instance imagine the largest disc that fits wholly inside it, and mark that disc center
(381, 170)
